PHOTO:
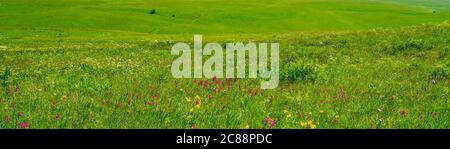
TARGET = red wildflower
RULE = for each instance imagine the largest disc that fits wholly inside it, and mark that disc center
(403, 113)
(267, 120)
(217, 89)
(149, 103)
(24, 125)
(210, 96)
(252, 92)
(273, 123)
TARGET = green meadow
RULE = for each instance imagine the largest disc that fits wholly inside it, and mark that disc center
(106, 64)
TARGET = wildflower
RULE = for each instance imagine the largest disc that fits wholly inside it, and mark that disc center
(252, 92)
(303, 124)
(217, 81)
(289, 115)
(149, 103)
(433, 81)
(210, 96)
(24, 125)
(193, 126)
(267, 120)
(273, 123)
(310, 122)
(217, 89)
(198, 103)
(63, 97)
(403, 113)
(379, 110)
(313, 126)
(153, 96)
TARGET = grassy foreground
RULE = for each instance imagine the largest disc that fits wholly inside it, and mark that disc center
(106, 64)
(383, 78)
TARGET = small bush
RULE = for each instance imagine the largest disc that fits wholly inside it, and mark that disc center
(4, 76)
(299, 72)
(153, 11)
(414, 44)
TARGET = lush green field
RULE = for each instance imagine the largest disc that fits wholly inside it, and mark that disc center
(218, 16)
(106, 64)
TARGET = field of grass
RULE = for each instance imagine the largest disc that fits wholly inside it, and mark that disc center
(106, 64)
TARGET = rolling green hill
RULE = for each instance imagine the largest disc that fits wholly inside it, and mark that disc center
(106, 64)
(216, 16)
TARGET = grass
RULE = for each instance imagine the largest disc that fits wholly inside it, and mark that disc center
(217, 16)
(106, 64)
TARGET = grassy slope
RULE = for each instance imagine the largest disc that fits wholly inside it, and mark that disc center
(76, 65)
(211, 16)
(340, 79)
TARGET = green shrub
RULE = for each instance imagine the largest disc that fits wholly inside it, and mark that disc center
(153, 11)
(299, 72)
(4, 77)
(413, 44)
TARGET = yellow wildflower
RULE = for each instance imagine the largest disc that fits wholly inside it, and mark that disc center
(198, 103)
(303, 124)
(289, 115)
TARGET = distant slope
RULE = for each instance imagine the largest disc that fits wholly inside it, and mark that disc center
(439, 5)
(213, 16)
